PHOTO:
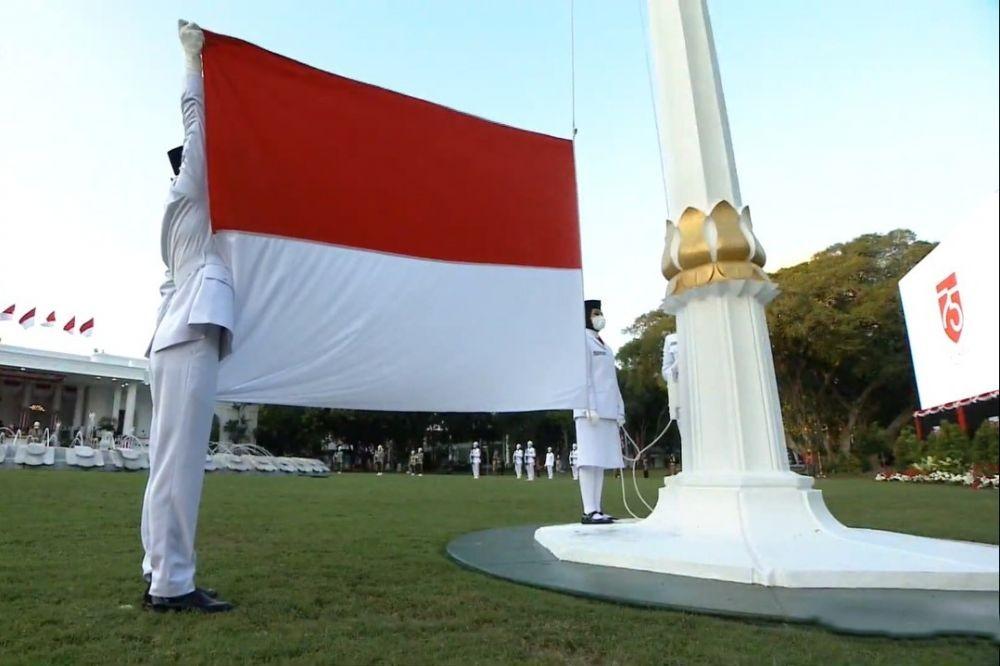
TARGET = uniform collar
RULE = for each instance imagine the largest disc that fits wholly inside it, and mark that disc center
(594, 334)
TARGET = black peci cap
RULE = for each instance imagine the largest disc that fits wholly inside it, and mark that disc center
(175, 155)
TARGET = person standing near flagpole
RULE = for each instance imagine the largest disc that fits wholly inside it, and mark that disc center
(597, 437)
(529, 460)
(475, 458)
(193, 332)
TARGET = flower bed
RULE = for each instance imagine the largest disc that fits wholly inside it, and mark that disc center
(947, 470)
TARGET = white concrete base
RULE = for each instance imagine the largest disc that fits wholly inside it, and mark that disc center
(771, 530)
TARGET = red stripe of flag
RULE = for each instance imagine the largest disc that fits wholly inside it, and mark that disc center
(300, 153)
(50, 320)
(8, 313)
(87, 327)
(70, 325)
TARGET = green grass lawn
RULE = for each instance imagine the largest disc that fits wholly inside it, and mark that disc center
(352, 569)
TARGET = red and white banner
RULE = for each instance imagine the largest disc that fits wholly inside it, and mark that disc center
(8, 312)
(951, 301)
(87, 328)
(50, 320)
(388, 253)
(70, 325)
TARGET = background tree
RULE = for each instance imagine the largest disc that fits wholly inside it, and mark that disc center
(639, 376)
(986, 445)
(839, 340)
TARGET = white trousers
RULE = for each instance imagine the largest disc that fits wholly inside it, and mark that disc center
(475, 470)
(549, 467)
(531, 471)
(183, 385)
(517, 469)
(591, 486)
(576, 472)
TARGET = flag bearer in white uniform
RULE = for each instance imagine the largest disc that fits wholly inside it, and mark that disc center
(574, 462)
(529, 460)
(550, 461)
(475, 457)
(192, 334)
(518, 460)
(597, 426)
(671, 373)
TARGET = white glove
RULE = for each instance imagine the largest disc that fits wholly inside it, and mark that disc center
(621, 420)
(192, 40)
(592, 415)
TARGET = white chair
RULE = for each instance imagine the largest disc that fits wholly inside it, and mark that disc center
(84, 456)
(34, 454)
(286, 465)
(233, 462)
(107, 441)
(262, 464)
(131, 453)
(6, 437)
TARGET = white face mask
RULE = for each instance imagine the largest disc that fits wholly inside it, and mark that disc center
(597, 322)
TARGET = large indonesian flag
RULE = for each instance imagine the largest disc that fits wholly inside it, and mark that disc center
(388, 253)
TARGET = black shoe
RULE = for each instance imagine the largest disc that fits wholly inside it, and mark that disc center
(196, 601)
(595, 518)
(147, 599)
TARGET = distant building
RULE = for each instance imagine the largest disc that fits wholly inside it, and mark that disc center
(78, 391)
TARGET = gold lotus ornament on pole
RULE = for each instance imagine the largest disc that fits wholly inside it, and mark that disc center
(703, 248)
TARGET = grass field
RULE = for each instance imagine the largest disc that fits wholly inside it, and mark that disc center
(352, 569)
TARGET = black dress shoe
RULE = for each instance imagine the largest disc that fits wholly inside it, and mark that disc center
(596, 518)
(147, 599)
(196, 601)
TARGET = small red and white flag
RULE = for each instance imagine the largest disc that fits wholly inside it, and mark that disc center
(50, 320)
(87, 328)
(27, 319)
(8, 313)
(70, 325)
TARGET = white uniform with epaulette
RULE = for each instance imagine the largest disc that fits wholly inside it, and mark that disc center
(550, 461)
(475, 458)
(574, 462)
(529, 461)
(193, 332)
(518, 461)
(597, 427)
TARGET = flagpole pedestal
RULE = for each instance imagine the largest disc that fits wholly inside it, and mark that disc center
(737, 513)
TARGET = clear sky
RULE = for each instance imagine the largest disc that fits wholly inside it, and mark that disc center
(847, 117)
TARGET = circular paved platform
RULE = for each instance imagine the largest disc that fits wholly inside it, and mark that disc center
(513, 554)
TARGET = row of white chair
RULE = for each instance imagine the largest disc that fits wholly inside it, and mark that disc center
(127, 453)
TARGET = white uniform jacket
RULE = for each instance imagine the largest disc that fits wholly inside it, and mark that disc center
(573, 457)
(603, 394)
(670, 369)
(529, 454)
(518, 455)
(199, 285)
(474, 456)
(550, 459)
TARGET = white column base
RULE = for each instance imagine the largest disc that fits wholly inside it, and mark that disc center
(777, 533)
